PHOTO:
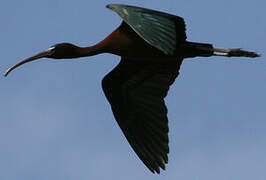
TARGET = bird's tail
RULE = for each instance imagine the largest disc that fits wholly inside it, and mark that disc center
(192, 49)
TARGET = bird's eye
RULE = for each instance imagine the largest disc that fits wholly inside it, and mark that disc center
(51, 50)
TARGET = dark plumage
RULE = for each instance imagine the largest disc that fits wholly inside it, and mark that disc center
(152, 45)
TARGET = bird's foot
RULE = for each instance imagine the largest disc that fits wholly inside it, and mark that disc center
(237, 52)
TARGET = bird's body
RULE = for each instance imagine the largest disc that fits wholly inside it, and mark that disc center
(125, 42)
(152, 45)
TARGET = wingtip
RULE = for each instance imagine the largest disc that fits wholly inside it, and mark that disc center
(162, 163)
(111, 6)
(157, 169)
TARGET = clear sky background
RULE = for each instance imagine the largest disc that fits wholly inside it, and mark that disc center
(55, 123)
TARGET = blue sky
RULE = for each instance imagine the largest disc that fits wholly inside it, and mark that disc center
(55, 122)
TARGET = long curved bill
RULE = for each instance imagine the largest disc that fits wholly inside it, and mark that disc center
(45, 53)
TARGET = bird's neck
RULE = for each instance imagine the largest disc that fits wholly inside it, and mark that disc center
(91, 50)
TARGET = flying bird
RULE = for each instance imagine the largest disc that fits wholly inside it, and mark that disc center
(152, 46)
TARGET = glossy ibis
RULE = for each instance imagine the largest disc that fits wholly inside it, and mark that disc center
(152, 45)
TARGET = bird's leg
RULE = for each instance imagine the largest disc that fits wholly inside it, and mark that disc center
(237, 52)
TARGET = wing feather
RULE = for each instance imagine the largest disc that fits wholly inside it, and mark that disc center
(161, 30)
(136, 91)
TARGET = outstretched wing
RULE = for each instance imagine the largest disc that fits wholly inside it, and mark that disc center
(161, 30)
(136, 91)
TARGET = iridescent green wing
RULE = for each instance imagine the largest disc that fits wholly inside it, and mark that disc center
(161, 30)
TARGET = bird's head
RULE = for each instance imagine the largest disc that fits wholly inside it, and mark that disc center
(58, 51)
(62, 51)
